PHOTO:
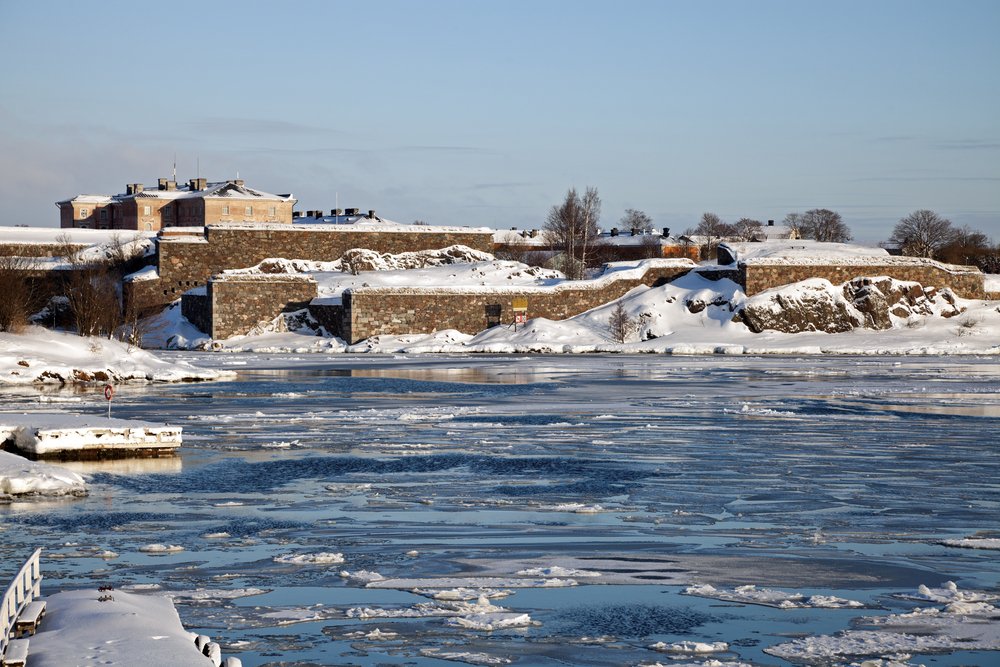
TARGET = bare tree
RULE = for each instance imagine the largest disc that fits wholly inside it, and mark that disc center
(635, 219)
(748, 229)
(572, 227)
(620, 324)
(650, 247)
(712, 226)
(714, 230)
(969, 246)
(794, 223)
(15, 292)
(92, 296)
(922, 233)
(821, 224)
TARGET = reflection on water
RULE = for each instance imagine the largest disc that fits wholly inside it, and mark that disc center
(145, 465)
(838, 474)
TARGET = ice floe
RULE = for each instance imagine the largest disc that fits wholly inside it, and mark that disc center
(479, 615)
(161, 548)
(469, 657)
(958, 626)
(992, 543)
(947, 594)
(750, 594)
(322, 558)
(556, 571)
(361, 576)
(690, 647)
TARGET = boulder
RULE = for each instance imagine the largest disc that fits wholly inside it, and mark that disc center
(810, 305)
(817, 305)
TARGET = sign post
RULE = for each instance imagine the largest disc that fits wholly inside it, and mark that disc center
(520, 307)
(109, 391)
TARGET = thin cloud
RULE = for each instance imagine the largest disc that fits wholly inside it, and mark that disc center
(968, 145)
(921, 179)
(236, 125)
(501, 185)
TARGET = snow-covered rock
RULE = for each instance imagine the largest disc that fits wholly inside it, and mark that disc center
(21, 477)
(818, 305)
(39, 355)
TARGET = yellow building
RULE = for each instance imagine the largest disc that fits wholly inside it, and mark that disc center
(196, 204)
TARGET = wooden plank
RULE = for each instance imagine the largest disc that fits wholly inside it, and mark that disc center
(30, 617)
(17, 653)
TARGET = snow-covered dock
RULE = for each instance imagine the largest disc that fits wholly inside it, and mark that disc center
(114, 628)
(63, 435)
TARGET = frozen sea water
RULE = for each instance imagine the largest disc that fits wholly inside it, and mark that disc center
(817, 476)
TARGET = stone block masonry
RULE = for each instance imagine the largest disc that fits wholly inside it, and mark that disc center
(373, 311)
(188, 257)
(757, 275)
(236, 304)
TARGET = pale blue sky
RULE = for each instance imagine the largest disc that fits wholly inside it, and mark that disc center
(480, 113)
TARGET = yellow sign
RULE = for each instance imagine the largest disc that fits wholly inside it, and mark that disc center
(519, 303)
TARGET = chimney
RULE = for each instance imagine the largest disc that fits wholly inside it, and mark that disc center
(239, 182)
(338, 212)
(161, 184)
(614, 231)
(171, 185)
(128, 189)
(137, 188)
(296, 214)
(666, 232)
(634, 231)
(202, 183)
(193, 184)
(770, 223)
(371, 214)
(534, 233)
(351, 211)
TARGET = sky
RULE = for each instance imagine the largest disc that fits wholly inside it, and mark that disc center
(486, 113)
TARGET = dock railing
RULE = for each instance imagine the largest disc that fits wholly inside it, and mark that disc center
(24, 588)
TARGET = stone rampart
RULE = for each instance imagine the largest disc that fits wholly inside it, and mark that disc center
(757, 275)
(188, 258)
(196, 307)
(238, 303)
(372, 311)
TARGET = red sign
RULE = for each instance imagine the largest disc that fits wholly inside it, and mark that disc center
(519, 318)
(109, 391)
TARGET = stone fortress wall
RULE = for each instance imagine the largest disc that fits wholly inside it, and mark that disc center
(757, 275)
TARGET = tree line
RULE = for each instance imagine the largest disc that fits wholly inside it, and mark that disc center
(572, 228)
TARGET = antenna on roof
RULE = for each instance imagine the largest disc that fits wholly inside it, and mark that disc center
(197, 170)
(175, 168)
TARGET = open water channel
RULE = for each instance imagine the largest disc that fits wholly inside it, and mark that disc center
(585, 492)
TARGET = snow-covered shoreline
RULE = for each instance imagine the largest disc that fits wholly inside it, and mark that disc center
(42, 356)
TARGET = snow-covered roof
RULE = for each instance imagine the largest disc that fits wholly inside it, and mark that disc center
(220, 189)
(86, 199)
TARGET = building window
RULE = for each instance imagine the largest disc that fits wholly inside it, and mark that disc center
(104, 215)
(168, 213)
(272, 211)
(83, 213)
(146, 210)
(225, 210)
(248, 211)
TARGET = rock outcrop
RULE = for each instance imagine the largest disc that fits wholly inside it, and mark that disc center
(818, 305)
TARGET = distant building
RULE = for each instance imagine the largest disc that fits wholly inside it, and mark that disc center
(196, 204)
